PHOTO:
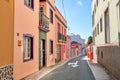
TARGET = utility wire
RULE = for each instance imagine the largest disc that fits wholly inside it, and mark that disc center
(65, 14)
(64, 9)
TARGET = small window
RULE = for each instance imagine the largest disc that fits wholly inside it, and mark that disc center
(101, 54)
(101, 24)
(51, 16)
(27, 47)
(93, 19)
(51, 46)
(58, 27)
(97, 2)
(42, 9)
(29, 3)
(65, 32)
(98, 28)
(95, 32)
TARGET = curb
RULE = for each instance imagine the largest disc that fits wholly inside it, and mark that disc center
(107, 76)
(92, 70)
(52, 69)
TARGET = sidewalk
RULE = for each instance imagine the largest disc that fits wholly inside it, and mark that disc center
(99, 72)
(44, 71)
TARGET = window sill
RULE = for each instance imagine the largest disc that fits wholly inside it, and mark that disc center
(26, 60)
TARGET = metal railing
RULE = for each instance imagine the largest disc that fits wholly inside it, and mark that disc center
(61, 37)
(43, 20)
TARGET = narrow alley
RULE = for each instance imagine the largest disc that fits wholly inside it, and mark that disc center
(72, 71)
(59, 40)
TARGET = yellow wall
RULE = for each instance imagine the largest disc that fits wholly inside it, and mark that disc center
(6, 32)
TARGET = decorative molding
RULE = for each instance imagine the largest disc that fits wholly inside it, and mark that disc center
(60, 20)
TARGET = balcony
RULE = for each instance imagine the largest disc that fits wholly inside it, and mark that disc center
(61, 37)
(43, 22)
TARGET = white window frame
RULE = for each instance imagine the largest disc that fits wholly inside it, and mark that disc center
(27, 47)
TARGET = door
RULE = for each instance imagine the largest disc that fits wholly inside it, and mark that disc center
(43, 56)
(58, 53)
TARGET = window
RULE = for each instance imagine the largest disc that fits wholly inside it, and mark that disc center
(42, 9)
(95, 32)
(98, 28)
(93, 19)
(107, 27)
(97, 2)
(102, 54)
(58, 27)
(51, 16)
(27, 47)
(65, 32)
(51, 46)
(94, 9)
(29, 3)
(93, 36)
(101, 25)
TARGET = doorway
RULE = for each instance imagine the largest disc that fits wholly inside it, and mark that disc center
(43, 53)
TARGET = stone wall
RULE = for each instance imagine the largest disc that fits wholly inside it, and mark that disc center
(6, 72)
(109, 58)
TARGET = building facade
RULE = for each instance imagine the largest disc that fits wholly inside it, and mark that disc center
(26, 22)
(6, 39)
(61, 34)
(68, 47)
(77, 45)
(106, 34)
(47, 33)
(76, 49)
(19, 38)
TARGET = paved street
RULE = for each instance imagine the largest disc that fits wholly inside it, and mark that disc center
(75, 69)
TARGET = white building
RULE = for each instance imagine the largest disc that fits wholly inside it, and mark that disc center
(106, 34)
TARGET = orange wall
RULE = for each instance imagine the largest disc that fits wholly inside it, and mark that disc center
(26, 22)
(6, 32)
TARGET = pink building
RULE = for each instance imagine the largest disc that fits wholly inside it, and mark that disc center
(76, 49)
(68, 47)
(47, 33)
(60, 25)
(26, 22)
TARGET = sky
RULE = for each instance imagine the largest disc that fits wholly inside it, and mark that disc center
(78, 16)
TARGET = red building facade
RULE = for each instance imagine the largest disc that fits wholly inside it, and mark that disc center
(60, 25)
(76, 49)
(68, 47)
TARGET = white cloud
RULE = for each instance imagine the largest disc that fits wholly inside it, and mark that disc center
(80, 3)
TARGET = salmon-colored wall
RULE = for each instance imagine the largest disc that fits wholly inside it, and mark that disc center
(6, 32)
(68, 47)
(26, 22)
(63, 31)
(51, 36)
